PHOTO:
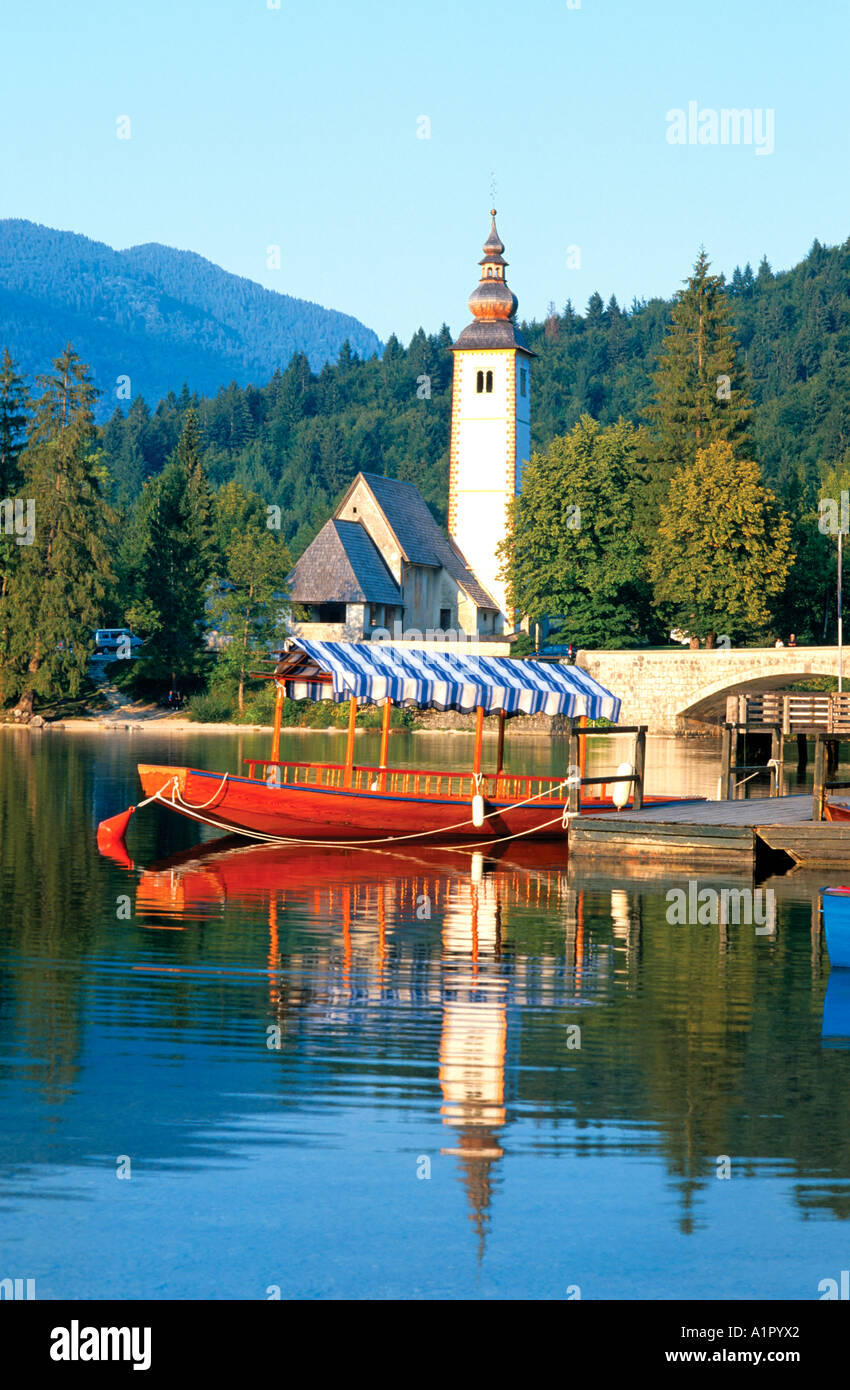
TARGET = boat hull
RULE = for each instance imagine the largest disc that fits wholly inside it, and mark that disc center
(836, 925)
(334, 815)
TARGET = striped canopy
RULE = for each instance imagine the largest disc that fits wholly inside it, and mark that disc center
(441, 678)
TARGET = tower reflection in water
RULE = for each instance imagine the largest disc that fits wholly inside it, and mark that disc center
(426, 929)
(474, 1032)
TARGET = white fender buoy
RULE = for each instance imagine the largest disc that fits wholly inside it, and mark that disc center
(622, 790)
(478, 810)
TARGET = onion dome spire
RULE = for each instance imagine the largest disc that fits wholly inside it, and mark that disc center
(492, 304)
(491, 299)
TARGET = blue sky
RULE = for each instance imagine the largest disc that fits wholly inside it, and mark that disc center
(298, 127)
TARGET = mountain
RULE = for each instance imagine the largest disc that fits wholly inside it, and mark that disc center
(154, 314)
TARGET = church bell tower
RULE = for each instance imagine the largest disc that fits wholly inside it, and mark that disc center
(491, 421)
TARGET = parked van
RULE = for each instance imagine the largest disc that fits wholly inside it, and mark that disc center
(109, 639)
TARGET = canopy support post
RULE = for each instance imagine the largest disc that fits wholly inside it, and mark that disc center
(500, 747)
(385, 739)
(349, 743)
(280, 692)
(479, 731)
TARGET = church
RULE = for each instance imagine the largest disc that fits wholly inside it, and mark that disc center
(382, 567)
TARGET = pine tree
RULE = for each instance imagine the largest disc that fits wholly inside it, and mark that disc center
(59, 584)
(701, 386)
(723, 548)
(177, 553)
(247, 600)
(14, 414)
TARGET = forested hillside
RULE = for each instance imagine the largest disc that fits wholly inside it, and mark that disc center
(300, 438)
(154, 314)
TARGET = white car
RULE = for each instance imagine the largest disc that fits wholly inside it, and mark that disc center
(110, 639)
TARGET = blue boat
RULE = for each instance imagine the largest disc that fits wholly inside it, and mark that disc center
(836, 923)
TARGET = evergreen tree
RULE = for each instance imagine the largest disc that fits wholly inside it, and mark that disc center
(14, 414)
(701, 387)
(723, 548)
(176, 554)
(249, 588)
(58, 588)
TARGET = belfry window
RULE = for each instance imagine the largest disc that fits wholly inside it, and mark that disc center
(489, 381)
(479, 382)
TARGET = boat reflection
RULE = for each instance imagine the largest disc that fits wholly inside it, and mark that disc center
(835, 1031)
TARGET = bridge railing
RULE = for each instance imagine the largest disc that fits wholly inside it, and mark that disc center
(791, 710)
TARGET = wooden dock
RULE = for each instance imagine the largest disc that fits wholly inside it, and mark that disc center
(738, 836)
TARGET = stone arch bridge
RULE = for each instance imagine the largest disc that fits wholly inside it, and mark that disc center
(679, 691)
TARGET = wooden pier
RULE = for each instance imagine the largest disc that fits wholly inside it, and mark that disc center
(740, 836)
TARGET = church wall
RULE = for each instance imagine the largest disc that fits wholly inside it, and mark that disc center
(361, 506)
(421, 590)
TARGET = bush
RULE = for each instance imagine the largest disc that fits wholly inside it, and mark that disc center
(214, 708)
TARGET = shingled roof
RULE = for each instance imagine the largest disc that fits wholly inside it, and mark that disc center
(492, 333)
(421, 540)
(343, 565)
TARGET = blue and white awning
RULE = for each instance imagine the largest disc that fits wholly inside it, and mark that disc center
(441, 678)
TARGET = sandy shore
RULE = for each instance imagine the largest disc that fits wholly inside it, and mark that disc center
(177, 725)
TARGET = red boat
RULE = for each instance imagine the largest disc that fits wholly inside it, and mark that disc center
(342, 803)
(836, 810)
(328, 803)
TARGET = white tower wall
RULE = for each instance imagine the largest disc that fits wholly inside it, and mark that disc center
(490, 442)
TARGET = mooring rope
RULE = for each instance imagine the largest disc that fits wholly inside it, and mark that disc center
(175, 792)
(176, 798)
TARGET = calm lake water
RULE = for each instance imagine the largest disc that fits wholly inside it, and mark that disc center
(230, 1072)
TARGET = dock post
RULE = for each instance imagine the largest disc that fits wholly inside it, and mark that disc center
(726, 760)
(640, 766)
(820, 778)
(777, 748)
(574, 790)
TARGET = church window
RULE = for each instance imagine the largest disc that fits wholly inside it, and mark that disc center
(445, 619)
(523, 381)
(489, 381)
(490, 271)
(480, 382)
